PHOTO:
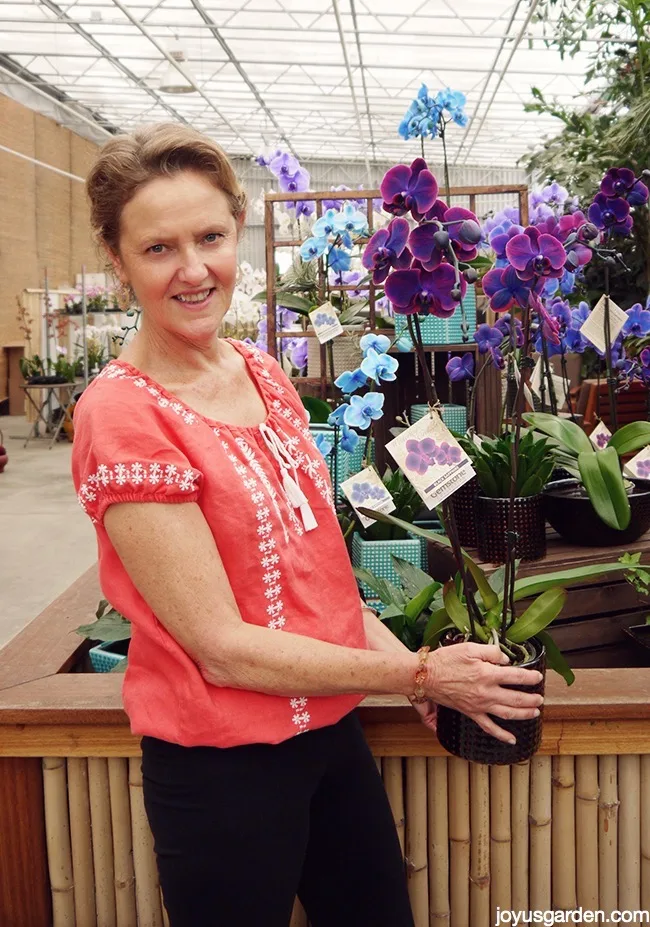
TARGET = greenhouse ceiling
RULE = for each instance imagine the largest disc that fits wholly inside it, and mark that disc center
(329, 79)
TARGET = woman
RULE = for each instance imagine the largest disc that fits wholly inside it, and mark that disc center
(247, 624)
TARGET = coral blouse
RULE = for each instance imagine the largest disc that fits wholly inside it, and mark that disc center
(266, 495)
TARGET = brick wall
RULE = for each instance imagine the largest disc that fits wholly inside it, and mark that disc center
(43, 216)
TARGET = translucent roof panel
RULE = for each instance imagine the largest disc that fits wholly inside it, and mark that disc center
(330, 79)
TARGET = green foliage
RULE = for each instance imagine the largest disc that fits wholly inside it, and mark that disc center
(493, 464)
(488, 610)
(109, 626)
(319, 410)
(638, 576)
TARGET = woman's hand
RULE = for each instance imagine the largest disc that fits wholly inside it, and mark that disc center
(471, 677)
(428, 713)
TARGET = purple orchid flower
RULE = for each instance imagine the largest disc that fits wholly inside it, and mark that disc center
(498, 360)
(464, 232)
(294, 183)
(505, 289)
(384, 249)
(560, 310)
(504, 325)
(304, 208)
(622, 182)
(500, 237)
(460, 368)
(611, 214)
(638, 321)
(284, 165)
(409, 189)
(554, 195)
(574, 341)
(580, 315)
(534, 254)
(550, 325)
(425, 292)
(487, 337)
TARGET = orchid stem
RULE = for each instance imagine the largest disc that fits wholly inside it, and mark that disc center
(611, 379)
(416, 337)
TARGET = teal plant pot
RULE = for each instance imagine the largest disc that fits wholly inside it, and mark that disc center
(449, 331)
(375, 556)
(105, 657)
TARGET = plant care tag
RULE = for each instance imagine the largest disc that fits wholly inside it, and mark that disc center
(560, 389)
(528, 396)
(431, 459)
(639, 466)
(366, 489)
(594, 327)
(326, 322)
(600, 436)
(536, 376)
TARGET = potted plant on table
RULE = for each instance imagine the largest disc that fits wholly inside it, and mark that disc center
(472, 606)
(113, 631)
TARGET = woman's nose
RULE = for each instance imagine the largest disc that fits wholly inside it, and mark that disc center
(192, 269)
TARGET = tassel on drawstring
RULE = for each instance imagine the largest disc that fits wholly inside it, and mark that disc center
(292, 490)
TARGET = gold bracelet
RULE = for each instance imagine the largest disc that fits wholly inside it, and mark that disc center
(420, 677)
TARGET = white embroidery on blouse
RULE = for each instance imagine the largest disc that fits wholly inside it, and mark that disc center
(135, 474)
(271, 578)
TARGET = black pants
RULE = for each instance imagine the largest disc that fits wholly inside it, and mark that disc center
(239, 832)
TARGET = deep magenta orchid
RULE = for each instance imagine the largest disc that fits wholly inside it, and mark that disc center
(535, 254)
(409, 189)
(505, 289)
(424, 292)
(385, 249)
(464, 232)
(611, 214)
(622, 182)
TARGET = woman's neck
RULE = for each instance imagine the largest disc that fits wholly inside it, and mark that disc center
(168, 358)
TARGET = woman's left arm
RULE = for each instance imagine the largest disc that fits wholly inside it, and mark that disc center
(379, 637)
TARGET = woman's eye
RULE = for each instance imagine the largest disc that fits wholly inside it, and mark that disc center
(211, 237)
(156, 249)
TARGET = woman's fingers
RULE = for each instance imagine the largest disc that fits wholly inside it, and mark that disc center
(515, 676)
(488, 725)
(508, 713)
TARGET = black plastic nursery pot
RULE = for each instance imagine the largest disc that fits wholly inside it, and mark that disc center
(47, 380)
(463, 504)
(462, 737)
(528, 523)
(570, 512)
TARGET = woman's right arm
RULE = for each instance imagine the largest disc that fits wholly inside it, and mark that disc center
(171, 556)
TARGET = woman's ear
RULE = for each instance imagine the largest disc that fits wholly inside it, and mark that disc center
(118, 267)
(241, 224)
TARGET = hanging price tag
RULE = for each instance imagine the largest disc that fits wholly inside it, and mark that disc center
(326, 323)
(639, 466)
(431, 459)
(594, 327)
(367, 490)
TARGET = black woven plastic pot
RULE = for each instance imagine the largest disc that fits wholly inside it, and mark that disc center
(463, 503)
(462, 737)
(569, 511)
(528, 523)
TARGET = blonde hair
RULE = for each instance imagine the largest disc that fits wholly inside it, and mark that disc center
(127, 162)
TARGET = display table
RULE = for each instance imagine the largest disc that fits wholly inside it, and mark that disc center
(569, 828)
(43, 407)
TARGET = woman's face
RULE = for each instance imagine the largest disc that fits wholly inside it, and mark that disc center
(178, 250)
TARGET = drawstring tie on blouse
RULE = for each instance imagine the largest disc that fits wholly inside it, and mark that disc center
(289, 471)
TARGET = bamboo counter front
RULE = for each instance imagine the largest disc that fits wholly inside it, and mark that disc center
(570, 829)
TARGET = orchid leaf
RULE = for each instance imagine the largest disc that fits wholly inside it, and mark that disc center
(532, 585)
(630, 438)
(319, 410)
(422, 600)
(538, 615)
(110, 627)
(391, 611)
(438, 623)
(554, 658)
(598, 481)
(489, 596)
(413, 579)
(571, 436)
(387, 592)
(455, 608)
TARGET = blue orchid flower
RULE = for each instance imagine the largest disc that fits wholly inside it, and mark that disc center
(349, 439)
(323, 444)
(313, 248)
(337, 416)
(580, 315)
(379, 366)
(351, 380)
(379, 342)
(364, 409)
(404, 344)
(574, 341)
(324, 226)
(338, 260)
(351, 220)
(638, 321)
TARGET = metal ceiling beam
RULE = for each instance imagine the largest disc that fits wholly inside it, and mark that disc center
(106, 54)
(531, 11)
(163, 51)
(363, 77)
(214, 29)
(344, 48)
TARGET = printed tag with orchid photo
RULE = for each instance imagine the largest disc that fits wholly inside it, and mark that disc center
(367, 490)
(600, 436)
(639, 466)
(326, 323)
(593, 329)
(432, 459)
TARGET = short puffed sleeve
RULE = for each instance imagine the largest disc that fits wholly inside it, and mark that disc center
(125, 450)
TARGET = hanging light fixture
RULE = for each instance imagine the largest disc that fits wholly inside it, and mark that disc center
(176, 81)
